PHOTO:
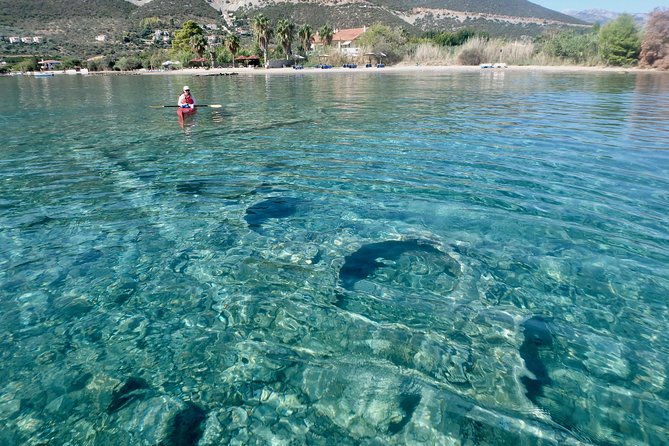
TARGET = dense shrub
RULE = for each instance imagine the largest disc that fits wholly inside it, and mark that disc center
(455, 38)
(128, 63)
(619, 42)
(655, 45)
(470, 56)
(26, 65)
(99, 64)
(383, 39)
(571, 46)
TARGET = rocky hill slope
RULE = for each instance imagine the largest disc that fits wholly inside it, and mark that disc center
(73, 25)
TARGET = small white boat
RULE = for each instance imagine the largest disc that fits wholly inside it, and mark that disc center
(77, 71)
(42, 74)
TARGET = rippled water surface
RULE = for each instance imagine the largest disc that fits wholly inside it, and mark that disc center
(360, 258)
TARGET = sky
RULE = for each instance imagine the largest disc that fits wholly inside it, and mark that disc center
(610, 5)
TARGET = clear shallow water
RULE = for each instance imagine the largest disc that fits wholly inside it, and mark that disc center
(336, 259)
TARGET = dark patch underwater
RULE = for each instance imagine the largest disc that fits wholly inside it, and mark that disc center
(363, 262)
(537, 337)
(273, 207)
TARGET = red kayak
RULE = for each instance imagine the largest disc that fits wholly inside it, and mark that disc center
(185, 112)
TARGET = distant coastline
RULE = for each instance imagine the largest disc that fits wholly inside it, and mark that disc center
(387, 69)
(393, 69)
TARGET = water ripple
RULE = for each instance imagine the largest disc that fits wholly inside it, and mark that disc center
(361, 258)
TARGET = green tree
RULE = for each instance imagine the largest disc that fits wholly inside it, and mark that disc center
(326, 32)
(231, 42)
(223, 56)
(151, 23)
(128, 63)
(306, 36)
(69, 62)
(155, 59)
(26, 65)
(262, 29)
(183, 57)
(619, 41)
(285, 33)
(99, 64)
(183, 38)
(384, 39)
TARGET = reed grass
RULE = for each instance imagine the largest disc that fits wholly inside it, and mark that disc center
(479, 50)
(430, 54)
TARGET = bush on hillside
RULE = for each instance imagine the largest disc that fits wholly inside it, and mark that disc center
(619, 42)
(655, 45)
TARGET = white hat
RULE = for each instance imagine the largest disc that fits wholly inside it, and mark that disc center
(186, 87)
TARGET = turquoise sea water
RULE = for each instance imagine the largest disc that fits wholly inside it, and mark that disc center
(360, 258)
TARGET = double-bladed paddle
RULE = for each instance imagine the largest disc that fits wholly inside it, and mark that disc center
(196, 106)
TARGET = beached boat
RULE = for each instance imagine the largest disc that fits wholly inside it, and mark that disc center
(83, 71)
(42, 74)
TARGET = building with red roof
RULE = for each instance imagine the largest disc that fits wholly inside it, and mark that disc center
(344, 40)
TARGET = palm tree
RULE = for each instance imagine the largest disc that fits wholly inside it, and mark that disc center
(326, 34)
(306, 35)
(263, 31)
(285, 33)
(199, 44)
(232, 44)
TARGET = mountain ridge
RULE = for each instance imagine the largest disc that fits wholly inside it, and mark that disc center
(603, 16)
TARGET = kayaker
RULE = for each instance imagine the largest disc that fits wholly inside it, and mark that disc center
(186, 100)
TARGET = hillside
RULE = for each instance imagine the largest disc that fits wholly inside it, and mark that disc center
(14, 12)
(507, 18)
(179, 10)
(70, 27)
(518, 8)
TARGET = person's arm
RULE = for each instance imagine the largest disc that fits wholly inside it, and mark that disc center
(194, 102)
(180, 101)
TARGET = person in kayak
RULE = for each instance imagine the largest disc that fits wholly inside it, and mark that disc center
(186, 100)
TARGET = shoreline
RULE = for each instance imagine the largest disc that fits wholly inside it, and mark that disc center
(391, 69)
(441, 69)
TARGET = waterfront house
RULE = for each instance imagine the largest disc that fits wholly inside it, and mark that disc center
(344, 39)
(49, 65)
